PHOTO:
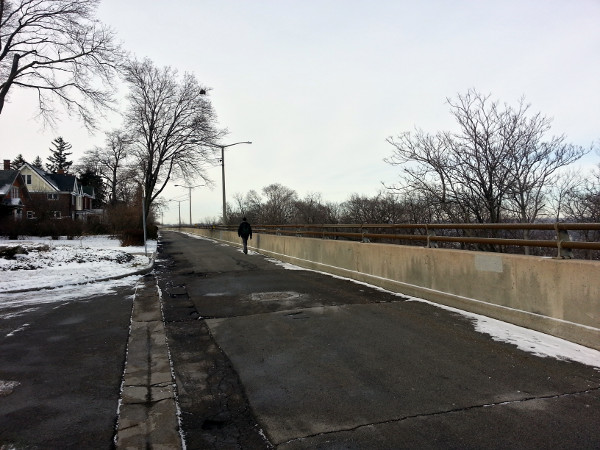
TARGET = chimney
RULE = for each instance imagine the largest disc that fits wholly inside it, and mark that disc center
(61, 171)
(7, 164)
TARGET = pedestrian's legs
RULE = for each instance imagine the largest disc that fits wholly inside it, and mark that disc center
(245, 241)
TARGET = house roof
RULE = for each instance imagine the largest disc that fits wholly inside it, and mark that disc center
(60, 182)
(43, 175)
(64, 183)
(7, 179)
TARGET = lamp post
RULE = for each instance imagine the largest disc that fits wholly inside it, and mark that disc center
(223, 147)
(190, 198)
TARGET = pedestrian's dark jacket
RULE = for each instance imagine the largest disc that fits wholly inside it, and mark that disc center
(245, 230)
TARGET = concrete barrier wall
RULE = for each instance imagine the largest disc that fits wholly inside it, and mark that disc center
(554, 296)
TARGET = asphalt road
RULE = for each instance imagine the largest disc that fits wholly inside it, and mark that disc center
(268, 357)
(67, 358)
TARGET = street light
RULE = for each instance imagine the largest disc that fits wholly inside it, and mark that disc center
(223, 147)
(190, 197)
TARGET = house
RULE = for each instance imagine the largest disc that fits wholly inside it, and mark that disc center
(56, 195)
(14, 195)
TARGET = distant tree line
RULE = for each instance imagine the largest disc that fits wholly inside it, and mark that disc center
(578, 200)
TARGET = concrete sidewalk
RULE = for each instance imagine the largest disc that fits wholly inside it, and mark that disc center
(148, 410)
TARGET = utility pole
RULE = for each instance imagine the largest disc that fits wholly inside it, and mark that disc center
(222, 147)
(190, 197)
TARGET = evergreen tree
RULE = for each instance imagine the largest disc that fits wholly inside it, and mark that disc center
(59, 154)
(37, 162)
(17, 162)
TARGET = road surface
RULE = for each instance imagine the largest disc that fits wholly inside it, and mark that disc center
(61, 365)
(269, 357)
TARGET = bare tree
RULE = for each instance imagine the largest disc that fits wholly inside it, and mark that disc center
(582, 204)
(248, 205)
(583, 200)
(381, 208)
(564, 185)
(495, 164)
(312, 209)
(172, 126)
(111, 162)
(59, 49)
(279, 205)
(534, 163)
(253, 206)
(240, 203)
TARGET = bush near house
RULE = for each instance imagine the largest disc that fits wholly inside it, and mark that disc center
(120, 220)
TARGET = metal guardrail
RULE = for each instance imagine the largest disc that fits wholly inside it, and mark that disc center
(428, 233)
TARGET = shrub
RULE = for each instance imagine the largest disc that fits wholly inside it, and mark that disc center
(132, 237)
(11, 228)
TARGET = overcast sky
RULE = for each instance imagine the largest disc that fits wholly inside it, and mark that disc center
(318, 85)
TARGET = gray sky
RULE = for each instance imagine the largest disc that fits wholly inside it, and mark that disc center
(318, 86)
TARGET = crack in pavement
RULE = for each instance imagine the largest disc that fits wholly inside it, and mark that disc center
(440, 413)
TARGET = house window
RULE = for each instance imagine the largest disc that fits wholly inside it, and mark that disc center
(14, 192)
(52, 196)
(30, 214)
(28, 179)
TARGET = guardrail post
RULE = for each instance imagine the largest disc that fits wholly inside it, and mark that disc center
(363, 238)
(429, 234)
(563, 236)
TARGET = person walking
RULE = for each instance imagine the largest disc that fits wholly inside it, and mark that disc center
(245, 231)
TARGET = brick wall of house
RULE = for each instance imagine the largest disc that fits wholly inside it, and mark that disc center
(44, 207)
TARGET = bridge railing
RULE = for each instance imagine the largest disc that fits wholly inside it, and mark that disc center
(560, 239)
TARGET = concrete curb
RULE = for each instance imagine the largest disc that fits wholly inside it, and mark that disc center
(147, 416)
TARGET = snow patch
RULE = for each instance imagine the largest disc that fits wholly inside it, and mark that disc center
(55, 266)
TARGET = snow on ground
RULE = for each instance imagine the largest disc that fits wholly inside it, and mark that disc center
(65, 269)
(47, 263)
